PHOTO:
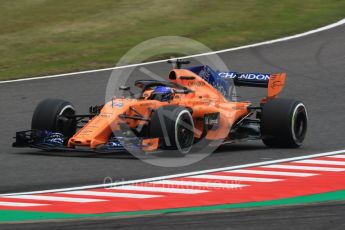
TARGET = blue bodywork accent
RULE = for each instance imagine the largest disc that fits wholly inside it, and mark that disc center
(116, 144)
(113, 144)
(224, 81)
(223, 85)
(53, 138)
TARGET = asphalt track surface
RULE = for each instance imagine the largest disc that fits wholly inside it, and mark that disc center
(315, 65)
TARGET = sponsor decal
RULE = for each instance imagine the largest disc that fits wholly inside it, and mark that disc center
(196, 83)
(117, 104)
(230, 75)
(246, 76)
(146, 104)
(211, 120)
(105, 115)
(86, 131)
(114, 144)
(276, 84)
(254, 76)
(237, 107)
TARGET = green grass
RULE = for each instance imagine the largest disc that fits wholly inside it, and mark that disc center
(39, 37)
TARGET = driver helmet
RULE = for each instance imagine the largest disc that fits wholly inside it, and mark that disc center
(162, 93)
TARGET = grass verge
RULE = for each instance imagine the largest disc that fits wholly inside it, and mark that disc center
(39, 37)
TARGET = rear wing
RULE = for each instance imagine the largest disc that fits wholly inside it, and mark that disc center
(224, 80)
(273, 82)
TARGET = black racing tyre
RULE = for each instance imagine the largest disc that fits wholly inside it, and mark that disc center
(50, 115)
(174, 126)
(284, 123)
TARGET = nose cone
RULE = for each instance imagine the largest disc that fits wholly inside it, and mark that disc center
(98, 130)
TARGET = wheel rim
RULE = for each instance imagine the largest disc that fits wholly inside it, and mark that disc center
(184, 132)
(299, 123)
(65, 125)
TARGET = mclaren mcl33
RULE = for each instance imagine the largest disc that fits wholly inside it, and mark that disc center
(194, 104)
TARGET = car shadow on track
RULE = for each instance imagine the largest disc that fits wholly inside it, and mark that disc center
(78, 154)
(240, 147)
(224, 149)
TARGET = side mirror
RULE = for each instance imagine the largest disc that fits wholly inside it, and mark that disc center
(124, 88)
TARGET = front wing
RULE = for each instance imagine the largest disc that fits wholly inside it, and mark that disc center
(52, 141)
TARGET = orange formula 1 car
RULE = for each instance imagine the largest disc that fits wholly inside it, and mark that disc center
(195, 104)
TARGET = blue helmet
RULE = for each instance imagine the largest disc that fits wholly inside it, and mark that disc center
(162, 93)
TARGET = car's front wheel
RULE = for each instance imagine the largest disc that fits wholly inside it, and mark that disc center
(54, 115)
(174, 126)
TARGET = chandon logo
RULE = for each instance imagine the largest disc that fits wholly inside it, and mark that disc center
(247, 76)
(254, 76)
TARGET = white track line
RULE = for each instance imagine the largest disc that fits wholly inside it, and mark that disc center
(159, 189)
(321, 162)
(19, 204)
(338, 156)
(312, 168)
(333, 25)
(112, 194)
(272, 173)
(235, 178)
(257, 164)
(53, 198)
(198, 184)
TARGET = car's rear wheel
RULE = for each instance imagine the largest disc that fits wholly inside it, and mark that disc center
(174, 126)
(284, 123)
(54, 115)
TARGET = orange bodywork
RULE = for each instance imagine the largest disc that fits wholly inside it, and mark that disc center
(275, 85)
(203, 100)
